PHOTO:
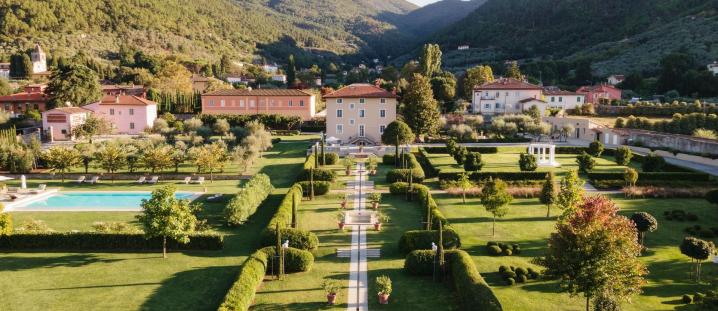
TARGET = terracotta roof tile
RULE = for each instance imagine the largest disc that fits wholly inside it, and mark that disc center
(258, 92)
(71, 110)
(24, 97)
(507, 84)
(360, 90)
(126, 100)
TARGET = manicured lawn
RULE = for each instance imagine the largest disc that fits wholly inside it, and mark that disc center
(196, 280)
(527, 225)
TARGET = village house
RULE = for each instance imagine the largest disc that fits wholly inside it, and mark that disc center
(358, 114)
(5, 71)
(132, 90)
(58, 123)
(199, 83)
(559, 99)
(585, 129)
(615, 79)
(506, 96)
(713, 68)
(33, 97)
(286, 102)
(127, 114)
(596, 93)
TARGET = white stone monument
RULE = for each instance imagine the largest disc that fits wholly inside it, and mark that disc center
(545, 154)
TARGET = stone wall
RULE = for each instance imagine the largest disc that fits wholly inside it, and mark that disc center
(683, 143)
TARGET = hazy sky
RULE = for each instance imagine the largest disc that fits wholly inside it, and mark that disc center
(422, 2)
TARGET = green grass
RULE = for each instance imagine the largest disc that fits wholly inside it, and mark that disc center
(196, 280)
(527, 225)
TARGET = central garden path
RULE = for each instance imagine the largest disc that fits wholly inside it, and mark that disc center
(358, 286)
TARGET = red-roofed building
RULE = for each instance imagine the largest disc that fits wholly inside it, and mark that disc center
(286, 102)
(59, 122)
(595, 93)
(358, 114)
(132, 90)
(32, 98)
(505, 95)
(560, 99)
(128, 114)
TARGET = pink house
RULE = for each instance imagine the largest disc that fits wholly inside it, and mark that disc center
(128, 114)
(286, 102)
(595, 93)
(59, 122)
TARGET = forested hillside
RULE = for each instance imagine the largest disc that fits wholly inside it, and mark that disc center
(431, 18)
(200, 29)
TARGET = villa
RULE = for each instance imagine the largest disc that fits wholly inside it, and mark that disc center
(128, 114)
(59, 122)
(560, 99)
(713, 67)
(358, 114)
(286, 102)
(506, 95)
(595, 93)
(33, 97)
(5, 70)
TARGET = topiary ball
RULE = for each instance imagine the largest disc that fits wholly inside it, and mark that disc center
(491, 243)
(507, 252)
(521, 271)
(503, 269)
(521, 279)
(512, 268)
(509, 274)
(711, 294)
(494, 250)
(686, 299)
(534, 275)
(511, 281)
(698, 297)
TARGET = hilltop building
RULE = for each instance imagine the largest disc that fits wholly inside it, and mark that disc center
(358, 114)
(33, 97)
(595, 93)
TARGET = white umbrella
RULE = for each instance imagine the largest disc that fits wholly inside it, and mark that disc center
(23, 182)
(4, 178)
(332, 139)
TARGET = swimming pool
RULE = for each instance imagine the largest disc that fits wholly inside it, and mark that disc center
(93, 201)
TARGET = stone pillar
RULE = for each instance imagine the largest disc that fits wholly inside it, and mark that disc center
(553, 154)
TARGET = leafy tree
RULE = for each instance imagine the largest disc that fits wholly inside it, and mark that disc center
(244, 156)
(5, 222)
(594, 251)
(495, 199)
(291, 70)
(397, 133)
(527, 162)
(156, 158)
(465, 184)
(20, 66)
(534, 113)
(630, 176)
(163, 215)
(5, 88)
(585, 162)
(430, 60)
(460, 154)
(595, 148)
(513, 71)
(644, 222)
(111, 157)
(221, 127)
(172, 78)
(473, 162)
(74, 84)
(712, 196)
(570, 193)
(210, 158)
(474, 77)
(93, 126)
(421, 111)
(653, 163)
(444, 88)
(623, 155)
(699, 250)
(549, 192)
(61, 159)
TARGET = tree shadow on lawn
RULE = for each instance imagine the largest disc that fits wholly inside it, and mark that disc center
(195, 289)
(300, 306)
(411, 292)
(72, 261)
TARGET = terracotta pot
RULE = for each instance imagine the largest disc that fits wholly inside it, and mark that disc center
(341, 225)
(375, 205)
(373, 172)
(377, 226)
(344, 204)
(383, 299)
(331, 298)
(349, 172)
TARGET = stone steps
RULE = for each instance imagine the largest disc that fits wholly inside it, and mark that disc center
(347, 253)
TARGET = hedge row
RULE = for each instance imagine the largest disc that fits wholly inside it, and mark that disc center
(653, 176)
(252, 273)
(422, 239)
(505, 176)
(320, 174)
(444, 150)
(330, 158)
(283, 217)
(426, 202)
(423, 159)
(400, 174)
(473, 292)
(245, 203)
(484, 140)
(320, 187)
(411, 162)
(106, 241)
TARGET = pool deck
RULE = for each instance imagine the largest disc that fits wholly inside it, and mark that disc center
(21, 204)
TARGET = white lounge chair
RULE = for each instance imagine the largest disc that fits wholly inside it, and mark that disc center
(154, 180)
(142, 180)
(40, 188)
(187, 180)
(200, 180)
(80, 179)
(94, 180)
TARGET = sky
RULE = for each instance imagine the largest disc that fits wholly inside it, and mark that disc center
(422, 2)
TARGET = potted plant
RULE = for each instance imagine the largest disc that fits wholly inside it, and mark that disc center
(331, 287)
(343, 203)
(348, 164)
(380, 218)
(374, 198)
(372, 165)
(383, 285)
(340, 221)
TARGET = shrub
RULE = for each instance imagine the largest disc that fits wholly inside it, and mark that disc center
(686, 299)
(383, 285)
(330, 158)
(510, 281)
(460, 154)
(507, 252)
(503, 269)
(712, 196)
(521, 271)
(623, 155)
(399, 174)
(521, 278)
(494, 250)
(527, 162)
(595, 148)
(653, 163)
(245, 203)
(505, 176)
(96, 241)
(251, 274)
(426, 202)
(320, 187)
(295, 260)
(698, 297)
(320, 174)
(420, 262)
(472, 290)
(585, 162)
(5, 224)
(421, 239)
(411, 162)
(473, 162)
(399, 187)
(283, 216)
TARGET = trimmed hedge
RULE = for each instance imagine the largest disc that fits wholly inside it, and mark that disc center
(252, 273)
(330, 158)
(245, 203)
(422, 239)
(96, 241)
(297, 238)
(653, 176)
(399, 187)
(320, 174)
(505, 176)
(399, 174)
(423, 158)
(426, 201)
(571, 150)
(474, 293)
(320, 187)
(444, 150)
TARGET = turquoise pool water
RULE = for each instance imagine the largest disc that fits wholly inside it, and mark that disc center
(95, 201)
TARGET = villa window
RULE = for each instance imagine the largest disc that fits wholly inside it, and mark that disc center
(132, 111)
(560, 99)
(498, 105)
(361, 113)
(221, 103)
(132, 126)
(211, 103)
(382, 113)
(381, 128)
(340, 101)
(498, 94)
(362, 100)
(553, 99)
(112, 112)
(340, 113)
(578, 99)
(487, 106)
(383, 100)
(301, 103)
(290, 103)
(351, 106)
(252, 103)
(351, 122)
(340, 128)
(241, 102)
